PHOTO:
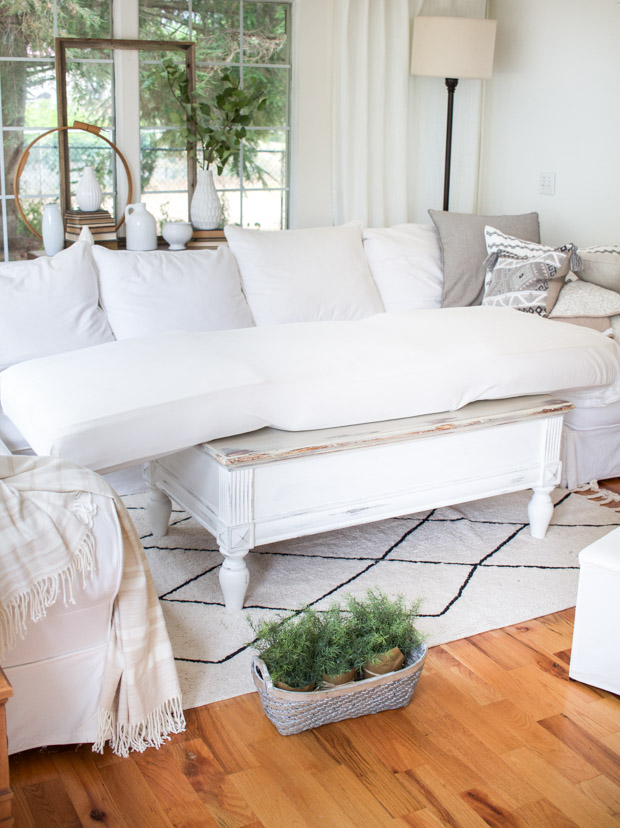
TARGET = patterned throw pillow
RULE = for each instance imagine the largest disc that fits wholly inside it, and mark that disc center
(529, 284)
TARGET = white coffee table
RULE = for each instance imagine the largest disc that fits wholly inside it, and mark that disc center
(270, 485)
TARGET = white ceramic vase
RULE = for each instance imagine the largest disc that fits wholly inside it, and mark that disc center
(177, 233)
(205, 209)
(88, 193)
(141, 228)
(52, 229)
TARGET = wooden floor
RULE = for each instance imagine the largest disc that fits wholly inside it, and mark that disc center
(495, 734)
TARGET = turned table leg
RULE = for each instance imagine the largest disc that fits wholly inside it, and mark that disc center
(540, 510)
(6, 794)
(235, 533)
(234, 577)
(159, 509)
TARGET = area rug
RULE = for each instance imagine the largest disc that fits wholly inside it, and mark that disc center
(474, 566)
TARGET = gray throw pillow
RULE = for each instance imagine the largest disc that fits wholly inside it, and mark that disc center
(464, 250)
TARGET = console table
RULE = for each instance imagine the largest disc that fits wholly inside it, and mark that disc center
(270, 485)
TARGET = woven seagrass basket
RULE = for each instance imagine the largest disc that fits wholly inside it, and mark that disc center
(293, 712)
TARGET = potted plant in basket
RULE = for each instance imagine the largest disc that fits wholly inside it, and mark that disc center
(385, 630)
(287, 646)
(214, 130)
(338, 653)
(312, 649)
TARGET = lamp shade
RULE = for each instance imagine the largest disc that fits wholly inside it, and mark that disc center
(453, 47)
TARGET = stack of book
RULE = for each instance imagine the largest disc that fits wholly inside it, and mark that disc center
(100, 222)
(206, 238)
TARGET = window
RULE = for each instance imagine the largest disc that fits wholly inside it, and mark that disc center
(242, 37)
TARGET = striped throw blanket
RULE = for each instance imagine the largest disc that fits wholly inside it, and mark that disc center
(47, 551)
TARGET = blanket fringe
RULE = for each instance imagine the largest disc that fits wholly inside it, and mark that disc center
(34, 602)
(598, 495)
(152, 732)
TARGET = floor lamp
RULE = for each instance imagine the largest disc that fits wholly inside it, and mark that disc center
(453, 48)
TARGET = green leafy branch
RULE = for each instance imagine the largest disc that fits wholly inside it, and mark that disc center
(216, 128)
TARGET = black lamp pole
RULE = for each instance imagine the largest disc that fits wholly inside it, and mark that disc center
(451, 84)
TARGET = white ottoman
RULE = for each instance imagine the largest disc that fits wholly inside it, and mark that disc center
(595, 655)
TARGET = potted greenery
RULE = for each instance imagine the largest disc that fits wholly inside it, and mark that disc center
(385, 631)
(214, 130)
(338, 656)
(287, 646)
(311, 648)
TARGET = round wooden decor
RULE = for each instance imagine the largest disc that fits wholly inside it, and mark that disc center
(77, 125)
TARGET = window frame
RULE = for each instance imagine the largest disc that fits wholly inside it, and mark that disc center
(127, 44)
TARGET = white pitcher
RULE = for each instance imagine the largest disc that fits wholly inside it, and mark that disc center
(141, 228)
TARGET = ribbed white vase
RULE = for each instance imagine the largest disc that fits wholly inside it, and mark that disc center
(52, 229)
(205, 209)
(88, 193)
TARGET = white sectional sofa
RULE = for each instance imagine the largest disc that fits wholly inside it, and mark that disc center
(113, 357)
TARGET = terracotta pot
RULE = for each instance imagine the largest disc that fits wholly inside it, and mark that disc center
(284, 686)
(340, 678)
(388, 662)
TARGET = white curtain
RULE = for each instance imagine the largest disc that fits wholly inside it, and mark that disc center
(370, 90)
(388, 129)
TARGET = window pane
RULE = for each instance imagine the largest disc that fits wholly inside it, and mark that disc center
(84, 18)
(276, 83)
(166, 207)
(265, 153)
(40, 174)
(216, 30)
(231, 206)
(26, 35)
(263, 210)
(89, 90)
(265, 32)
(28, 94)
(163, 166)
(21, 240)
(164, 21)
(157, 104)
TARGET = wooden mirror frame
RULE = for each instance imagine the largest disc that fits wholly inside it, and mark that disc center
(64, 43)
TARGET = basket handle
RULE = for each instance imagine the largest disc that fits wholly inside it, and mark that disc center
(260, 674)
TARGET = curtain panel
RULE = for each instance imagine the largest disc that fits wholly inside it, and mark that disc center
(388, 128)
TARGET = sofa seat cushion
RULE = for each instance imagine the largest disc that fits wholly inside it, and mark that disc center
(152, 292)
(132, 400)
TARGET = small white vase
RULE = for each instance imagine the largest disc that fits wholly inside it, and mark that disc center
(52, 229)
(141, 228)
(177, 233)
(205, 209)
(88, 193)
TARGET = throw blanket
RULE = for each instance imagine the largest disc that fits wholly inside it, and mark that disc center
(46, 544)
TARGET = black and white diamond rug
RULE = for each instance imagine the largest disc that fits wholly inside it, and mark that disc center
(474, 566)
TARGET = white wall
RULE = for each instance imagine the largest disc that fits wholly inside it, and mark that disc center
(553, 106)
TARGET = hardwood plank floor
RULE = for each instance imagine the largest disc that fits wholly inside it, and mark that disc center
(496, 734)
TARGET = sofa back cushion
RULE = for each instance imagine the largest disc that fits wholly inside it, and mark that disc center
(151, 292)
(405, 262)
(305, 275)
(50, 305)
